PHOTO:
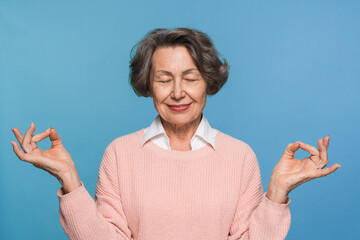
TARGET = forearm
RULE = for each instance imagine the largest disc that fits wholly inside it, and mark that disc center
(270, 220)
(80, 218)
(104, 218)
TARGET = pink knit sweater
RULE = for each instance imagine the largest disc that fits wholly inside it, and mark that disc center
(152, 193)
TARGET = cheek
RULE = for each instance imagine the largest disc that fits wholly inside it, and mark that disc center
(200, 96)
(159, 95)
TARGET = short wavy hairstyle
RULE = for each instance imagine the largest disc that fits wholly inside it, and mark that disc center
(213, 67)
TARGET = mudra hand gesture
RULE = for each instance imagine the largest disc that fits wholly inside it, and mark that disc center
(56, 160)
(290, 172)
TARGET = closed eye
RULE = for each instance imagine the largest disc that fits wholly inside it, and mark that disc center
(191, 77)
(191, 80)
(164, 81)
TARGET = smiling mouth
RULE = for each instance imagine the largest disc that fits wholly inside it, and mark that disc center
(180, 107)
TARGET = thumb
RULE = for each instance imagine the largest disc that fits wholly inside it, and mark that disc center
(291, 149)
(55, 138)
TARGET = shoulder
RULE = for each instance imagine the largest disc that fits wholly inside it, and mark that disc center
(227, 143)
(129, 141)
(121, 148)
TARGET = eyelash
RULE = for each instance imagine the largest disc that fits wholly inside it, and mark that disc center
(165, 81)
(188, 80)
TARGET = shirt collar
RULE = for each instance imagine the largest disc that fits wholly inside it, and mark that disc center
(203, 131)
(155, 129)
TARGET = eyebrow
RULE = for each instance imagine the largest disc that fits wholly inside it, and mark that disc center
(170, 73)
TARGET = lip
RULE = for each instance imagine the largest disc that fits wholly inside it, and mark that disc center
(179, 107)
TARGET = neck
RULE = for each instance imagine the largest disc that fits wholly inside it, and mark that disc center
(180, 135)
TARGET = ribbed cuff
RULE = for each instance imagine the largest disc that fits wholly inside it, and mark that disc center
(75, 199)
(281, 204)
(60, 193)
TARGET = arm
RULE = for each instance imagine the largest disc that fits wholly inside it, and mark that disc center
(256, 217)
(82, 218)
(272, 212)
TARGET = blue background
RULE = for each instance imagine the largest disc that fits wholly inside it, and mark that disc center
(295, 71)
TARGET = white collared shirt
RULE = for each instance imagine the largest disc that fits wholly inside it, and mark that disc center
(204, 135)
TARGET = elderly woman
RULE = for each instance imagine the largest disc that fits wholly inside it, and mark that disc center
(179, 178)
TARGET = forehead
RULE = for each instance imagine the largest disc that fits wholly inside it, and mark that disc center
(172, 59)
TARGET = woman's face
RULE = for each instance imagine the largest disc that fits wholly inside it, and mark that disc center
(177, 87)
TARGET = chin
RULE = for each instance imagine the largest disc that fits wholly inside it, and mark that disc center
(181, 121)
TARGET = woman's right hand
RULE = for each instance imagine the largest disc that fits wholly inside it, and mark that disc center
(56, 160)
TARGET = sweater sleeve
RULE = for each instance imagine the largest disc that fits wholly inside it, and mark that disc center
(83, 218)
(256, 217)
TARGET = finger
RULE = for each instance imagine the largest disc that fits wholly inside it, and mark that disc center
(323, 152)
(33, 145)
(326, 171)
(18, 135)
(55, 138)
(326, 141)
(40, 136)
(316, 161)
(27, 138)
(310, 149)
(291, 149)
(21, 155)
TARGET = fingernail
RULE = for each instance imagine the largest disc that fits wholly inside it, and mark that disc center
(52, 128)
(12, 143)
(31, 124)
(12, 129)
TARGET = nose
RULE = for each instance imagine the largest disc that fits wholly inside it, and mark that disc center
(178, 91)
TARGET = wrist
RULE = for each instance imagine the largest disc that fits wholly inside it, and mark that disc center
(70, 180)
(276, 194)
(71, 186)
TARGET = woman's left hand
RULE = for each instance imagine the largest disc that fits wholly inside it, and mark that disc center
(290, 172)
